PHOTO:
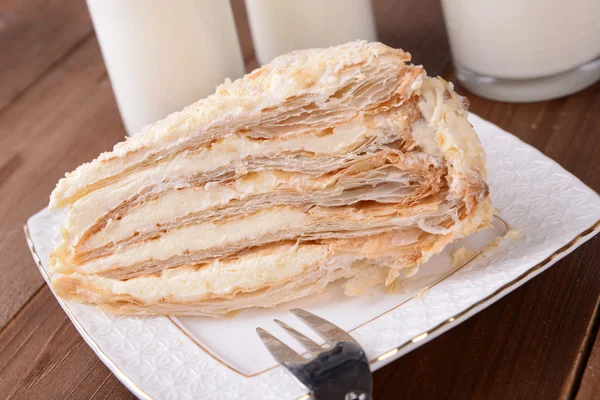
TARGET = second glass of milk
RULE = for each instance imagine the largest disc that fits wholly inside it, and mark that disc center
(524, 50)
(281, 26)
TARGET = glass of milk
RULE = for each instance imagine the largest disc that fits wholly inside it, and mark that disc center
(524, 50)
(163, 55)
(281, 26)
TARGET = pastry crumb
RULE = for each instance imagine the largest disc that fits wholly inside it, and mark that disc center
(365, 280)
(391, 278)
(514, 233)
(410, 271)
(461, 256)
(231, 314)
(494, 243)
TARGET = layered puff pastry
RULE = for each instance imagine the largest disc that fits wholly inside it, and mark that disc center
(326, 164)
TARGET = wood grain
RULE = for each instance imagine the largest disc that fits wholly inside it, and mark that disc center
(66, 117)
(57, 110)
(589, 389)
(34, 36)
(60, 365)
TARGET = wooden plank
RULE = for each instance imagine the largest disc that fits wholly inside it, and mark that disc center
(43, 356)
(68, 117)
(34, 36)
(589, 389)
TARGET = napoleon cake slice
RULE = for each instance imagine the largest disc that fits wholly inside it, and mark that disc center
(326, 164)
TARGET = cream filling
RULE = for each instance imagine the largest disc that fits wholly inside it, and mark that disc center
(231, 148)
(275, 224)
(173, 204)
(294, 188)
(215, 279)
(227, 151)
(282, 265)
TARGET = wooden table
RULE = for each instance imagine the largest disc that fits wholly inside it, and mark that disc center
(57, 110)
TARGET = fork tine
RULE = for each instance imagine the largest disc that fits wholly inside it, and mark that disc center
(311, 346)
(324, 328)
(279, 350)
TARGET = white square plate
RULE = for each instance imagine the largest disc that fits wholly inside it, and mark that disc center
(194, 357)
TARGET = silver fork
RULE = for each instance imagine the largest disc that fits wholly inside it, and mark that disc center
(340, 372)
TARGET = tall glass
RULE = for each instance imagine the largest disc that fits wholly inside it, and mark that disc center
(524, 50)
(280, 26)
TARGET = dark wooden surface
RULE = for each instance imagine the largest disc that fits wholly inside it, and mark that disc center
(57, 110)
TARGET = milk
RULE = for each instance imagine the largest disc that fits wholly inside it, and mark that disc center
(525, 40)
(280, 26)
(164, 55)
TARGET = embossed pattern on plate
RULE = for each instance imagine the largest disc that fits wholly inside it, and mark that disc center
(555, 211)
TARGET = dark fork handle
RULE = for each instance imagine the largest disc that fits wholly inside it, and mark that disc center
(341, 373)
